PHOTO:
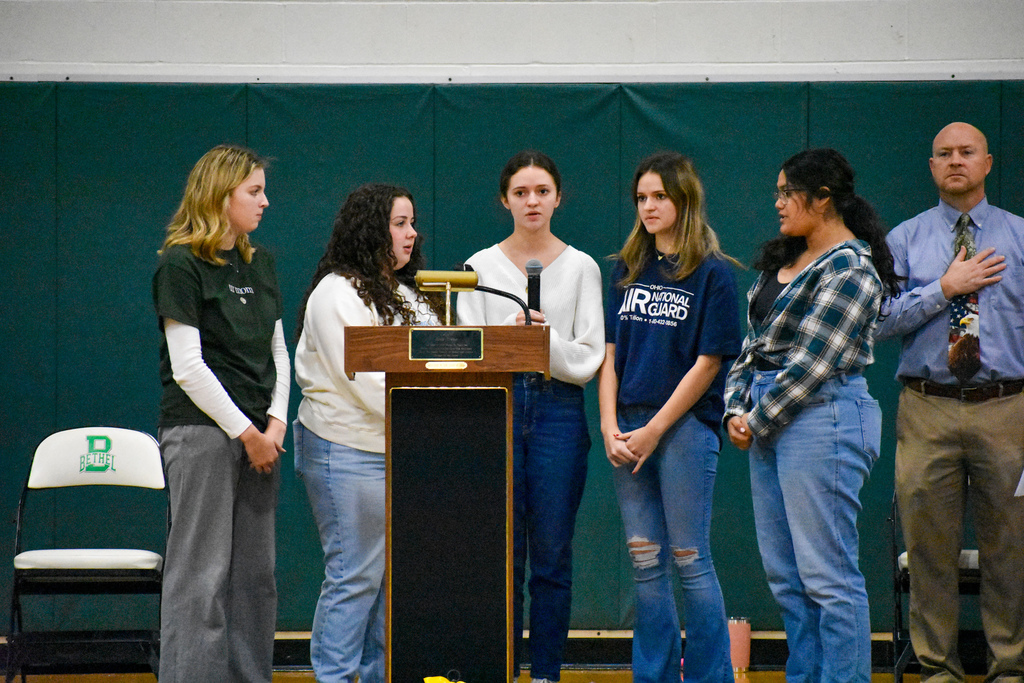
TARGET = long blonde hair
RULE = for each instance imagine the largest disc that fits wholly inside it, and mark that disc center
(201, 220)
(693, 240)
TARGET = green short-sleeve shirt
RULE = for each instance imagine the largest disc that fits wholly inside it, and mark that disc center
(235, 307)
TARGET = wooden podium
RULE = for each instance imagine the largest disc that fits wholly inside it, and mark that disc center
(449, 492)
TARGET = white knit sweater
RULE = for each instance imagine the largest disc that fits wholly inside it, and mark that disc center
(348, 412)
(570, 298)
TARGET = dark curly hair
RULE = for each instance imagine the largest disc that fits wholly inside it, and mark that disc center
(362, 250)
(824, 172)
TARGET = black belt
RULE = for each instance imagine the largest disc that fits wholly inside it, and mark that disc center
(967, 394)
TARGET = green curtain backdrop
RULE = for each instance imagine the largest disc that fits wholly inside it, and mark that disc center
(91, 173)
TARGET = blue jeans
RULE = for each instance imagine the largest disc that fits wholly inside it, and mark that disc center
(806, 484)
(346, 491)
(666, 512)
(549, 469)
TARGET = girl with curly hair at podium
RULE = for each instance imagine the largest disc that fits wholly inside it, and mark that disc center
(550, 436)
(365, 277)
(223, 415)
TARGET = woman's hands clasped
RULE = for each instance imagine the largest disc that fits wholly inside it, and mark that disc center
(739, 431)
(631, 447)
(264, 448)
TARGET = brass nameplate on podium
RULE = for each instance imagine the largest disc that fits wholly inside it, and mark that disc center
(446, 343)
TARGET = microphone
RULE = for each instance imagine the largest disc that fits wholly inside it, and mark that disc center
(533, 268)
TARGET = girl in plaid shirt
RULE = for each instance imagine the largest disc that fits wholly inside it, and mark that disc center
(797, 399)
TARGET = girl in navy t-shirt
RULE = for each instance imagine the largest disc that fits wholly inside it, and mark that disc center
(671, 325)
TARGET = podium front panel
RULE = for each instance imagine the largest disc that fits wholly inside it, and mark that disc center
(449, 575)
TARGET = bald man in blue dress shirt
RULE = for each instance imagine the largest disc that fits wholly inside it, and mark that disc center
(960, 441)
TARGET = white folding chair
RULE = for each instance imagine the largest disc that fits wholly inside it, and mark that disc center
(88, 456)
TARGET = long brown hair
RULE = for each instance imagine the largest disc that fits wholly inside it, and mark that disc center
(693, 240)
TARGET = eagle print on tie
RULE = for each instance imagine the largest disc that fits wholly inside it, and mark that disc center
(964, 328)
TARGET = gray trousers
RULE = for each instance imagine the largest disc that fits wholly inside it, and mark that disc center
(219, 603)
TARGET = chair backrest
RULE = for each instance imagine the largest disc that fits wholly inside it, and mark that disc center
(87, 456)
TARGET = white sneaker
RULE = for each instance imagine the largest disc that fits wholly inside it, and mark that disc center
(541, 680)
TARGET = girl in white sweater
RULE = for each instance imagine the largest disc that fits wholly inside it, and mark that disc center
(366, 277)
(551, 439)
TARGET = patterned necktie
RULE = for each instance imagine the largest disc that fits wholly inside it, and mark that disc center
(964, 345)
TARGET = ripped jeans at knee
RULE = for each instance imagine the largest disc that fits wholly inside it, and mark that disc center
(666, 512)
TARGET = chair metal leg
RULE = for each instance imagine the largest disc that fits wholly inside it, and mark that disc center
(153, 656)
(13, 662)
(902, 658)
(902, 649)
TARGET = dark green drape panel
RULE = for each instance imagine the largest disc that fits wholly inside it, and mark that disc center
(91, 173)
(123, 154)
(885, 130)
(95, 173)
(478, 129)
(736, 136)
(1010, 153)
(323, 143)
(27, 295)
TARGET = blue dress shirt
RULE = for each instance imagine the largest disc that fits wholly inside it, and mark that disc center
(922, 249)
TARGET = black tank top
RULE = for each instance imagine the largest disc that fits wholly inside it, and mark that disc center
(770, 291)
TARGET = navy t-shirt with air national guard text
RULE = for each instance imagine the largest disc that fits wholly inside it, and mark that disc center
(660, 326)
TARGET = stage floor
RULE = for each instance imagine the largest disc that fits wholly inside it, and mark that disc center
(568, 676)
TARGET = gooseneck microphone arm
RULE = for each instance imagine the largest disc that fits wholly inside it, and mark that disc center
(513, 297)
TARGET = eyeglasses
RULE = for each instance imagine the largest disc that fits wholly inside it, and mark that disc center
(785, 194)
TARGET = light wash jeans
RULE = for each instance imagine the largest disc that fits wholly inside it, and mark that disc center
(346, 491)
(666, 511)
(806, 484)
(550, 443)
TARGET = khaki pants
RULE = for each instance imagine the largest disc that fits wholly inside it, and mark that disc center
(949, 455)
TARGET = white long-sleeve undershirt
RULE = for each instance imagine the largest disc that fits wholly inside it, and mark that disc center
(193, 375)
